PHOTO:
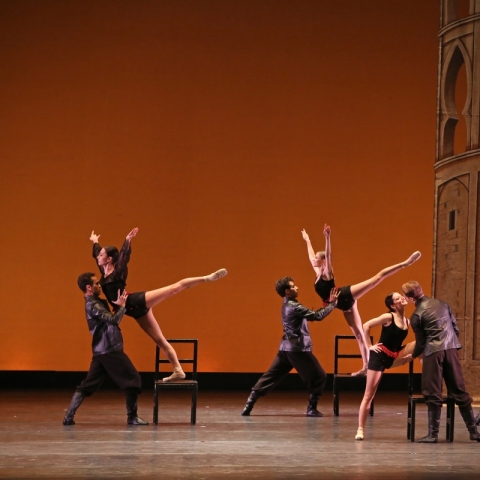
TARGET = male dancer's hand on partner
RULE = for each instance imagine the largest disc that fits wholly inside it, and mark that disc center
(334, 293)
(132, 234)
(122, 298)
(94, 238)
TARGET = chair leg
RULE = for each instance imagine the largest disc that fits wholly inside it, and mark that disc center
(409, 419)
(336, 399)
(412, 425)
(371, 409)
(450, 420)
(193, 419)
(155, 405)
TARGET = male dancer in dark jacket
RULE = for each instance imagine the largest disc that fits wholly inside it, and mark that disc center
(436, 335)
(108, 355)
(295, 349)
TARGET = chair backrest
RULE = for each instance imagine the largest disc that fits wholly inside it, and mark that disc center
(339, 355)
(191, 359)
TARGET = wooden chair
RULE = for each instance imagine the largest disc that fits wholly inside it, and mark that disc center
(186, 384)
(413, 400)
(340, 379)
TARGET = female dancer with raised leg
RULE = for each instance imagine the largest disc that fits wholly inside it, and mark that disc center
(387, 353)
(113, 267)
(349, 294)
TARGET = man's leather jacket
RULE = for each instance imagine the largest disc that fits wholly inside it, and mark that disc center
(103, 325)
(295, 318)
(435, 327)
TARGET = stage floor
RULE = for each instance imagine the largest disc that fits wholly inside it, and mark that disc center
(276, 442)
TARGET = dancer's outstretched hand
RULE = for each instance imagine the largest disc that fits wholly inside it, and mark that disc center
(334, 293)
(94, 238)
(122, 298)
(376, 347)
(327, 230)
(305, 235)
(132, 234)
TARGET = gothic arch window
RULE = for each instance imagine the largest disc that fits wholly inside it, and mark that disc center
(456, 101)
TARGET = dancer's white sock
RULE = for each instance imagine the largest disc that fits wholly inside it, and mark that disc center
(359, 435)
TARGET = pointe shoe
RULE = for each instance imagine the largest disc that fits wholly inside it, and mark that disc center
(361, 373)
(215, 275)
(413, 258)
(178, 374)
(359, 435)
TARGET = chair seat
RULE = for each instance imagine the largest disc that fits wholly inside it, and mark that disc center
(421, 399)
(177, 383)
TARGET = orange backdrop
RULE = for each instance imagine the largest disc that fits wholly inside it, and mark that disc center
(220, 129)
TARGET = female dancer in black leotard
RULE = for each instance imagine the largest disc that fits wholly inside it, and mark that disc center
(347, 301)
(113, 267)
(387, 353)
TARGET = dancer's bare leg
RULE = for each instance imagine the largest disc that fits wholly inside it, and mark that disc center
(151, 327)
(154, 297)
(354, 321)
(400, 360)
(360, 289)
(373, 380)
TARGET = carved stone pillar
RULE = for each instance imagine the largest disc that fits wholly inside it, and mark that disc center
(456, 263)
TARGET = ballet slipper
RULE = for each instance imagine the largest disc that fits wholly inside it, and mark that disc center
(412, 258)
(359, 435)
(362, 372)
(178, 374)
(215, 275)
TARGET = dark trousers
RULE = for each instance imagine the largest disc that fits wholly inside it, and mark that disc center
(440, 366)
(307, 366)
(118, 366)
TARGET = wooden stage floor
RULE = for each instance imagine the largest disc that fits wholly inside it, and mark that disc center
(276, 442)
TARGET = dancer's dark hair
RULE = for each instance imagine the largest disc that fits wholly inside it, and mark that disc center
(85, 279)
(389, 302)
(282, 285)
(112, 252)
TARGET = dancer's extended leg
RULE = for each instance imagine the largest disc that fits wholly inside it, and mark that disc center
(373, 379)
(154, 297)
(360, 289)
(400, 360)
(355, 323)
(151, 327)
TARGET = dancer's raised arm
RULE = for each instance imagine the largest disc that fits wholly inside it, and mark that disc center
(328, 270)
(311, 253)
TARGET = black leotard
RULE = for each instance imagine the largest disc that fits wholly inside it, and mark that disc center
(345, 300)
(117, 280)
(392, 338)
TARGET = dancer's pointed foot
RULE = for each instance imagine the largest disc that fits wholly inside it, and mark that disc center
(362, 372)
(215, 275)
(178, 374)
(359, 435)
(412, 258)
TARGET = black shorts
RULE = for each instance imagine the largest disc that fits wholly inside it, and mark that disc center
(136, 306)
(379, 361)
(345, 299)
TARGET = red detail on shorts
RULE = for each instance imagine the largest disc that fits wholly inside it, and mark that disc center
(388, 352)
